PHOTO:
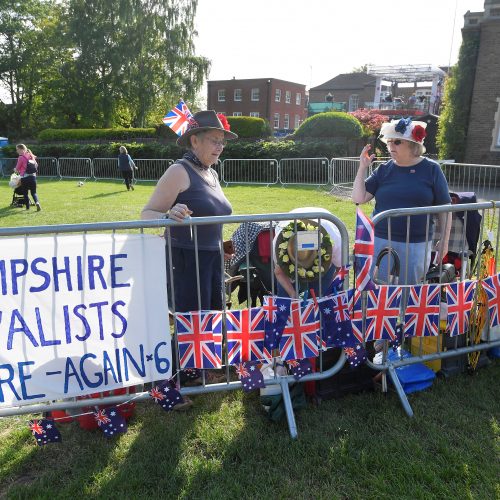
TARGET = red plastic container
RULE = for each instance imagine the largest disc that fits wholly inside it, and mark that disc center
(88, 422)
(60, 416)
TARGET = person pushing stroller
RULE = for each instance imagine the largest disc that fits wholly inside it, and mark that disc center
(27, 168)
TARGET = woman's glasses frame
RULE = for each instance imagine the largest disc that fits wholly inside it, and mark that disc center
(396, 142)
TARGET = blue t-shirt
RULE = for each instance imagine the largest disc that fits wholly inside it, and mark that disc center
(420, 185)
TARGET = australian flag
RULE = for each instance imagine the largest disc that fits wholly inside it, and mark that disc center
(167, 397)
(337, 324)
(422, 311)
(363, 251)
(250, 376)
(491, 286)
(300, 337)
(300, 367)
(338, 280)
(45, 431)
(459, 297)
(197, 343)
(276, 312)
(355, 355)
(178, 118)
(357, 317)
(110, 421)
(382, 312)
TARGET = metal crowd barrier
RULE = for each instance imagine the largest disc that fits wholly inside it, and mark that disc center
(443, 347)
(484, 180)
(151, 169)
(315, 171)
(76, 168)
(195, 224)
(106, 168)
(242, 171)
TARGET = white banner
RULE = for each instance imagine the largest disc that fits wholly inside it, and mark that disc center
(81, 314)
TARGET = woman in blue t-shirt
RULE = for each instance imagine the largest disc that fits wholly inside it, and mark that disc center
(407, 180)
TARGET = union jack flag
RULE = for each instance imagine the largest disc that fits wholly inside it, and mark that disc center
(491, 286)
(299, 338)
(277, 310)
(245, 335)
(459, 297)
(382, 311)
(196, 340)
(363, 251)
(422, 311)
(337, 325)
(178, 118)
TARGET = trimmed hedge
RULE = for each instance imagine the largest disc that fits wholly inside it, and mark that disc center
(235, 149)
(249, 126)
(332, 124)
(85, 134)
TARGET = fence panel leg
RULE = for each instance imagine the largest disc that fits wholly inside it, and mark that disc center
(400, 391)
(290, 416)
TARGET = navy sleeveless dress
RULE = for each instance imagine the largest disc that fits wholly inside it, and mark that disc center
(205, 199)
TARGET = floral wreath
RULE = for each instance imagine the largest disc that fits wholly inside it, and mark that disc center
(283, 258)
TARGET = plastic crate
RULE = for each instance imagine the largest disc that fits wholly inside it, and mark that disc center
(447, 366)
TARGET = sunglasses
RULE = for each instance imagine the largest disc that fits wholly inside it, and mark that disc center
(396, 142)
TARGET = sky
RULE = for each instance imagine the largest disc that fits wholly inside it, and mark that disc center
(312, 41)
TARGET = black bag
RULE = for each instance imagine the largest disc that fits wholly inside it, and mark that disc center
(31, 167)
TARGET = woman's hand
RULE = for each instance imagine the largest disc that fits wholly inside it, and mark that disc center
(179, 212)
(365, 159)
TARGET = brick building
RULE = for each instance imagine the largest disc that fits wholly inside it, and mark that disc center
(483, 134)
(282, 103)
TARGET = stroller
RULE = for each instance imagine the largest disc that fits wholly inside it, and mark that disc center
(18, 194)
(258, 277)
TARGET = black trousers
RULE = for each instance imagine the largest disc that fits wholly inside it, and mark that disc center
(127, 175)
(28, 183)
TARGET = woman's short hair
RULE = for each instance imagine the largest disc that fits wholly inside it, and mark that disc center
(416, 148)
(123, 150)
(21, 146)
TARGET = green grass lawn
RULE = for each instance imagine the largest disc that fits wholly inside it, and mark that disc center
(359, 447)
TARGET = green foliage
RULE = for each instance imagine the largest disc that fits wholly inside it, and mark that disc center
(234, 149)
(454, 118)
(84, 134)
(330, 124)
(249, 126)
(95, 64)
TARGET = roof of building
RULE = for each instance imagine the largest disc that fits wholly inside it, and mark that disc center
(234, 80)
(347, 81)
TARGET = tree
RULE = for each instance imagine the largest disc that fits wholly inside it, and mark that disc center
(454, 119)
(360, 69)
(25, 29)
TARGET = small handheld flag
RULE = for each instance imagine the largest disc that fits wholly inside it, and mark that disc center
(178, 118)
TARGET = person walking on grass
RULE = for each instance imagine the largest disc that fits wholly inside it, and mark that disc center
(27, 168)
(126, 166)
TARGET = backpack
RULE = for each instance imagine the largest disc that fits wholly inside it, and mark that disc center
(31, 166)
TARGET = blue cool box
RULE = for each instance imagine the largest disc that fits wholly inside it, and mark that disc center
(415, 377)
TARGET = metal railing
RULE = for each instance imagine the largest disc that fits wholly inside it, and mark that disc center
(196, 226)
(242, 171)
(315, 171)
(443, 347)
